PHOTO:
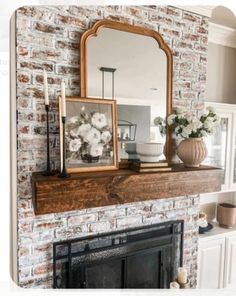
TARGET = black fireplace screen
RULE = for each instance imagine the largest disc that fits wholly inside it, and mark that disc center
(144, 257)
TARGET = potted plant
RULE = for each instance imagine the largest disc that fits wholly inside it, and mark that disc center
(192, 129)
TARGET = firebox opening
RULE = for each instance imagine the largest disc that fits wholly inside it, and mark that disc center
(143, 257)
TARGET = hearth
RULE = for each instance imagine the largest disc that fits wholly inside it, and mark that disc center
(143, 257)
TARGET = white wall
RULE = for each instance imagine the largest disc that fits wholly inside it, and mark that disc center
(221, 74)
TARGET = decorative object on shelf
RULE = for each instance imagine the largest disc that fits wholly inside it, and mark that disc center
(63, 173)
(126, 131)
(144, 167)
(226, 215)
(182, 277)
(139, 82)
(149, 152)
(192, 150)
(48, 171)
(205, 229)
(161, 124)
(130, 149)
(91, 134)
(174, 285)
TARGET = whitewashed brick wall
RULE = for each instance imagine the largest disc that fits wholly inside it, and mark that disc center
(48, 37)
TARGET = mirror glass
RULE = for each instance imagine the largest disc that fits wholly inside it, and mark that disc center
(139, 83)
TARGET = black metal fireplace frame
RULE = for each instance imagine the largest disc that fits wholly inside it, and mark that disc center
(175, 227)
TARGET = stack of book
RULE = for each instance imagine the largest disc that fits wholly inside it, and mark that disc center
(145, 167)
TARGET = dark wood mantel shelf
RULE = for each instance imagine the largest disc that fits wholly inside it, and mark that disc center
(87, 190)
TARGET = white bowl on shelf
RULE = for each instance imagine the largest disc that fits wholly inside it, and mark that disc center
(149, 152)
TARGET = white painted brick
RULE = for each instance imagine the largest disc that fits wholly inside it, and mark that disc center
(129, 222)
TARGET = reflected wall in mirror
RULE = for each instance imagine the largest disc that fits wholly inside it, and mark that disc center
(141, 81)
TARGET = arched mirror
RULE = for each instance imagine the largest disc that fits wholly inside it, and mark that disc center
(133, 65)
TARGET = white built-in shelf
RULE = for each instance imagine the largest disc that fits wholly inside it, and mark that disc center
(217, 232)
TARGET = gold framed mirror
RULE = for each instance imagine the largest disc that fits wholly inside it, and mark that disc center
(143, 66)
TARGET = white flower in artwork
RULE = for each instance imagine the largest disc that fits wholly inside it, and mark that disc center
(93, 136)
(74, 132)
(74, 119)
(84, 129)
(74, 145)
(99, 120)
(96, 150)
(106, 137)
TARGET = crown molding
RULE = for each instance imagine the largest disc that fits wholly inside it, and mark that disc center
(205, 10)
(222, 35)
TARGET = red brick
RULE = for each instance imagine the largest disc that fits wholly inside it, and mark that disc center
(36, 66)
(68, 45)
(27, 11)
(67, 70)
(23, 78)
(43, 269)
(51, 80)
(191, 17)
(46, 54)
(69, 20)
(46, 28)
(47, 225)
(22, 51)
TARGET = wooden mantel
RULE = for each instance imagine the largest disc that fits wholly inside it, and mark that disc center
(87, 190)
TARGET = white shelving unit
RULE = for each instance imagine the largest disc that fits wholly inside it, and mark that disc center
(222, 146)
(216, 259)
(217, 248)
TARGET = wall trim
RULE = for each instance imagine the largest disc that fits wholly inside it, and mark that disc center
(222, 35)
(13, 153)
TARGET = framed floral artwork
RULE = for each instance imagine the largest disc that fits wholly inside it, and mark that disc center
(91, 134)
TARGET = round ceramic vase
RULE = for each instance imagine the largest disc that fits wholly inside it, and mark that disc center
(192, 151)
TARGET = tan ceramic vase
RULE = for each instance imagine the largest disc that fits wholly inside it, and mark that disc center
(192, 151)
(226, 215)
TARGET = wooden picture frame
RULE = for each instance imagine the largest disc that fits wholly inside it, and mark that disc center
(91, 135)
(94, 31)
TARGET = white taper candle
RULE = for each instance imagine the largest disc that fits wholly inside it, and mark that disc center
(63, 99)
(182, 275)
(45, 80)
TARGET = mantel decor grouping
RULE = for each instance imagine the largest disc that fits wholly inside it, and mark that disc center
(88, 134)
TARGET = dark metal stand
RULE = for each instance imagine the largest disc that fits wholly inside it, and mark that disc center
(48, 171)
(64, 173)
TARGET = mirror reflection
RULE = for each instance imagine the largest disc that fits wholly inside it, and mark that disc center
(136, 75)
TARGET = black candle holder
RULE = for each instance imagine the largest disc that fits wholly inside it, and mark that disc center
(48, 171)
(64, 173)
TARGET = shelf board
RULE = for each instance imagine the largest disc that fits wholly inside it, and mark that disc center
(86, 190)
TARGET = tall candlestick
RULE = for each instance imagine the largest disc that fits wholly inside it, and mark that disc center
(63, 99)
(61, 134)
(48, 171)
(64, 173)
(45, 79)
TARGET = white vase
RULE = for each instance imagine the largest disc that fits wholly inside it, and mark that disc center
(192, 151)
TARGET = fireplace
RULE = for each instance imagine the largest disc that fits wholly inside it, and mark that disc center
(144, 257)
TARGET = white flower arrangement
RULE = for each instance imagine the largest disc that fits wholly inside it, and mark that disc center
(187, 125)
(89, 134)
